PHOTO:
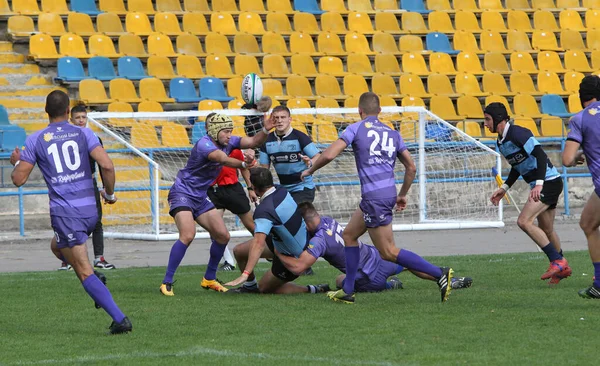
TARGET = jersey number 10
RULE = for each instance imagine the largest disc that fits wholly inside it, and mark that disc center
(387, 143)
(66, 156)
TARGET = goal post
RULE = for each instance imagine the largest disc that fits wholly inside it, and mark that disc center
(451, 189)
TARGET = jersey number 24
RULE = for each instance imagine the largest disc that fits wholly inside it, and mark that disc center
(387, 143)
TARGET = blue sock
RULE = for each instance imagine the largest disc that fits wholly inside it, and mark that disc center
(216, 253)
(551, 252)
(413, 261)
(97, 291)
(177, 253)
(352, 259)
(597, 274)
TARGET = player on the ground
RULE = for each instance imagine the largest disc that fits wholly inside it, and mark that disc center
(376, 148)
(279, 226)
(527, 159)
(188, 198)
(62, 152)
(585, 133)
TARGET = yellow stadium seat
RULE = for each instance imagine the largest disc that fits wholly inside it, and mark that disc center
(543, 4)
(273, 89)
(518, 40)
(331, 65)
(305, 22)
(189, 66)
(250, 23)
(326, 103)
(296, 103)
(300, 126)
(388, 5)
(301, 43)
(360, 22)
(544, 41)
(384, 85)
(218, 66)
(351, 102)
(387, 22)
(245, 43)
(138, 23)
(493, 21)
(131, 45)
(465, 5)
(439, 84)
(468, 62)
(5, 8)
(217, 44)
(499, 99)
(360, 5)
(522, 83)
(278, 23)
(525, 105)
(333, 22)
(355, 42)
(91, 91)
(593, 39)
(384, 43)
(81, 24)
(281, 6)
(441, 62)
(469, 106)
(144, 136)
(153, 89)
(358, 63)
(328, 86)
(571, 39)
(172, 6)
(246, 64)
(355, 85)
(72, 45)
(439, 21)
(26, 7)
(234, 87)
(574, 103)
(234, 104)
(224, 5)
(413, 23)
(544, 20)
(123, 108)
(140, 6)
(591, 4)
(465, 41)
(495, 62)
(549, 83)
(195, 23)
(303, 65)
(412, 85)
(55, 6)
(160, 45)
(188, 44)
(175, 135)
(123, 90)
(523, 62)
(529, 124)
(572, 79)
(20, 26)
(167, 23)
(552, 127)
(570, 19)
(116, 7)
(592, 18)
(410, 101)
(491, 5)
(566, 4)
(467, 21)
(410, 43)
(273, 43)
(595, 59)
(222, 22)
(150, 106)
(324, 132)
(518, 20)
(409, 128)
(298, 87)
(109, 24)
(472, 129)
(275, 66)
(209, 105)
(518, 4)
(333, 5)
(51, 24)
(387, 64)
(494, 83)
(330, 43)
(101, 45)
(467, 83)
(160, 67)
(239, 131)
(549, 61)
(414, 63)
(491, 41)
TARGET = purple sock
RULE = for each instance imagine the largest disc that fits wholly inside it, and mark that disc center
(597, 274)
(413, 261)
(352, 258)
(216, 253)
(97, 291)
(177, 253)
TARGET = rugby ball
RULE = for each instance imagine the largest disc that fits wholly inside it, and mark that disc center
(252, 88)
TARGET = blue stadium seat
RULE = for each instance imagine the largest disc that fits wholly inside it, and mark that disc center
(213, 88)
(70, 69)
(554, 105)
(11, 137)
(308, 6)
(438, 132)
(101, 68)
(438, 42)
(131, 68)
(198, 131)
(85, 6)
(184, 91)
(415, 6)
(4, 116)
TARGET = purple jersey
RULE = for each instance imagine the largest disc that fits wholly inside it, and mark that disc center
(328, 243)
(585, 129)
(200, 172)
(62, 152)
(376, 147)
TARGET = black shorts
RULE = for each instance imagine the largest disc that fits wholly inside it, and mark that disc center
(277, 268)
(305, 195)
(231, 197)
(551, 192)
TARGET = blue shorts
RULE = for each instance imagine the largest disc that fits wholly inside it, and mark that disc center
(378, 283)
(378, 212)
(183, 202)
(72, 231)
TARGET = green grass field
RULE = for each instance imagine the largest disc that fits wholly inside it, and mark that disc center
(509, 316)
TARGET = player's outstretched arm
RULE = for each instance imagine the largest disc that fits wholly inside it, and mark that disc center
(256, 249)
(260, 138)
(107, 172)
(222, 158)
(326, 157)
(297, 265)
(571, 155)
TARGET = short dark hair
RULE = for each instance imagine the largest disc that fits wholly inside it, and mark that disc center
(369, 103)
(79, 108)
(261, 178)
(281, 108)
(57, 103)
(307, 209)
(589, 88)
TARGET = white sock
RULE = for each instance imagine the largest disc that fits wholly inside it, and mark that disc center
(228, 257)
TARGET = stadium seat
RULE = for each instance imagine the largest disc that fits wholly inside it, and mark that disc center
(20, 26)
(412, 85)
(246, 64)
(42, 46)
(300, 126)
(72, 45)
(518, 20)
(324, 132)
(143, 136)
(387, 64)
(572, 79)
(198, 131)
(571, 39)
(150, 106)
(544, 41)
(26, 7)
(384, 43)
(495, 62)
(296, 103)
(527, 123)
(160, 45)
(331, 65)
(412, 22)
(570, 19)
(4, 120)
(213, 88)
(358, 63)
(417, 6)
(333, 5)
(499, 99)
(172, 6)
(69, 69)
(250, 23)
(184, 91)
(222, 23)
(224, 5)
(494, 83)
(549, 83)
(308, 6)
(174, 135)
(355, 85)
(55, 6)
(217, 44)
(91, 91)
(85, 6)
(543, 4)
(102, 45)
(472, 129)
(275, 66)
(466, 20)
(301, 43)
(468, 62)
(11, 137)
(522, 83)
(123, 90)
(414, 63)
(439, 21)
(280, 6)
(299, 87)
(356, 43)
(385, 85)
(574, 103)
(437, 42)
(236, 103)
(388, 5)
(209, 105)
(351, 102)
(330, 43)
(439, 84)
(160, 67)
(279, 23)
(138, 24)
(491, 41)
(245, 43)
(592, 18)
(549, 61)
(465, 41)
(306, 23)
(328, 86)
(545, 20)
(273, 88)
(274, 44)
(409, 127)
(131, 68)
(116, 7)
(123, 108)
(439, 5)
(141, 6)
(153, 89)
(333, 22)
(467, 83)
(51, 24)
(80, 24)
(566, 4)
(188, 44)
(387, 22)
(234, 87)
(492, 21)
(552, 127)
(167, 23)
(109, 24)
(465, 4)
(525, 105)
(522, 62)
(591, 4)
(360, 5)
(218, 66)
(442, 63)
(518, 40)
(189, 67)
(195, 23)
(554, 105)
(101, 68)
(469, 106)
(593, 39)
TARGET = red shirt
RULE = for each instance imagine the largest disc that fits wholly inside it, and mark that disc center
(229, 175)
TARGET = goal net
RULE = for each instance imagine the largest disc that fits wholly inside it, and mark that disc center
(451, 189)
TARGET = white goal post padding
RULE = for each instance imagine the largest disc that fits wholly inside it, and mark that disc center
(451, 190)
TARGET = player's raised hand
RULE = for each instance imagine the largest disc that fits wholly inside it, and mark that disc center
(108, 199)
(401, 202)
(497, 196)
(15, 156)
(268, 122)
(535, 193)
(238, 281)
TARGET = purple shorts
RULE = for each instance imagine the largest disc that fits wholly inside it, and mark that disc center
(183, 202)
(379, 212)
(379, 282)
(72, 231)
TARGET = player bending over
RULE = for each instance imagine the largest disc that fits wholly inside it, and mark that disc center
(376, 148)
(189, 202)
(279, 226)
(527, 159)
(585, 133)
(62, 152)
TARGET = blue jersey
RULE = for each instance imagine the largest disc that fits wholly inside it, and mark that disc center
(285, 153)
(278, 215)
(516, 147)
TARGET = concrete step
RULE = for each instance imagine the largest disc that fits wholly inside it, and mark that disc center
(6, 47)
(12, 58)
(27, 91)
(19, 69)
